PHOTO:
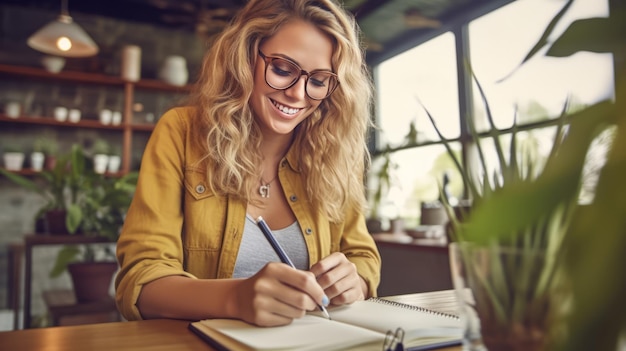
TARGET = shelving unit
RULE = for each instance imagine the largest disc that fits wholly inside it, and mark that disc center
(127, 127)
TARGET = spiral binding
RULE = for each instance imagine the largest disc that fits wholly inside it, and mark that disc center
(411, 307)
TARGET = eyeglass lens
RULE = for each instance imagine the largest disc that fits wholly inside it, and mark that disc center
(282, 74)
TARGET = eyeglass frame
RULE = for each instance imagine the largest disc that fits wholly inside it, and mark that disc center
(268, 59)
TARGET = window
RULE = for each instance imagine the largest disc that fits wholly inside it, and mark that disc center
(540, 87)
(424, 78)
(420, 79)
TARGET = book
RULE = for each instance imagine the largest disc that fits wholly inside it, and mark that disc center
(362, 325)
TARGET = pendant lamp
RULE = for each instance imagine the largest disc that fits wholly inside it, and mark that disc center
(63, 37)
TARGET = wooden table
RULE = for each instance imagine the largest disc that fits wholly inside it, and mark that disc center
(159, 334)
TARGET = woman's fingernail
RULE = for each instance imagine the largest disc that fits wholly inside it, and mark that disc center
(325, 300)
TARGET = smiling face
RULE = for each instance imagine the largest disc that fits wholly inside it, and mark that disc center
(278, 112)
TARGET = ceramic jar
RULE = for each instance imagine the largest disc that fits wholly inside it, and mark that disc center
(53, 64)
(174, 70)
(131, 63)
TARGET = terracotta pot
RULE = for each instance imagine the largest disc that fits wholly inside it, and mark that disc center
(50, 162)
(55, 222)
(92, 280)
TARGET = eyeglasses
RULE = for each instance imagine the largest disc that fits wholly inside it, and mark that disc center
(282, 74)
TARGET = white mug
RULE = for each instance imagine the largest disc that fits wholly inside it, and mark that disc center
(74, 115)
(60, 113)
(116, 118)
(13, 109)
(106, 116)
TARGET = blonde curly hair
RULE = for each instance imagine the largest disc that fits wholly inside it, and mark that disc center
(331, 142)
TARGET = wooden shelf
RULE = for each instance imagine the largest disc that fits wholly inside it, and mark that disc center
(126, 128)
(90, 78)
(32, 172)
(153, 84)
(49, 121)
(76, 77)
(85, 123)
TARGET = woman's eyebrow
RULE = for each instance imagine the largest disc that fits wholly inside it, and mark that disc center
(297, 63)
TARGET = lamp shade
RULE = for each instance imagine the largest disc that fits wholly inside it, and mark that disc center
(63, 37)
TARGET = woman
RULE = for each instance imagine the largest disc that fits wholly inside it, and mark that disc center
(276, 129)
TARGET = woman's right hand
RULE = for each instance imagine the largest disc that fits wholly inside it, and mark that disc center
(277, 294)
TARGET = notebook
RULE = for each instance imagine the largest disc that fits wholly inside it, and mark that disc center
(362, 325)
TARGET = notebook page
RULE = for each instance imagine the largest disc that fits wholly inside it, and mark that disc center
(307, 333)
(382, 317)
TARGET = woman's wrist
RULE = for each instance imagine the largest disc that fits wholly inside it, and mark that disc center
(231, 304)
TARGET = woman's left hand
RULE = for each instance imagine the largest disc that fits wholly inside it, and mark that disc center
(339, 279)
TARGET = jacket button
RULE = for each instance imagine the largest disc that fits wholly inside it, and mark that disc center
(309, 231)
(200, 188)
(293, 198)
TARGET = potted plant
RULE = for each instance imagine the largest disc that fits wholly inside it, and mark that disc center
(545, 270)
(384, 183)
(90, 204)
(103, 204)
(58, 187)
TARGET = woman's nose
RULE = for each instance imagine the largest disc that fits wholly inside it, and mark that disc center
(297, 91)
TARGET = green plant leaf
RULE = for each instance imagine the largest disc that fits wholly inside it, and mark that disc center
(600, 35)
(543, 40)
(74, 218)
(67, 255)
(531, 200)
(23, 182)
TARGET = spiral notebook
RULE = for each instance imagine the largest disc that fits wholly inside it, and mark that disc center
(362, 325)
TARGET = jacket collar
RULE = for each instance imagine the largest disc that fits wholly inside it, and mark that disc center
(292, 158)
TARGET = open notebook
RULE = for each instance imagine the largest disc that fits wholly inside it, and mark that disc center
(359, 326)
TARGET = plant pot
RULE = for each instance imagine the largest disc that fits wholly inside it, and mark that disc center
(100, 163)
(36, 161)
(114, 163)
(374, 225)
(92, 280)
(13, 161)
(509, 298)
(55, 222)
(50, 162)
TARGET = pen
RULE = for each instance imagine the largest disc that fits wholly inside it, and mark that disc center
(280, 252)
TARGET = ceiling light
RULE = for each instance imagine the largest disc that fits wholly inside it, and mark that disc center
(63, 37)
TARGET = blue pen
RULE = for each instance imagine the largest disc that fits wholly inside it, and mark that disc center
(279, 251)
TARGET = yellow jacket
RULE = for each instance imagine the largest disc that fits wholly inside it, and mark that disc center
(175, 226)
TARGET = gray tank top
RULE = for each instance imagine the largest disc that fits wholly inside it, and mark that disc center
(255, 251)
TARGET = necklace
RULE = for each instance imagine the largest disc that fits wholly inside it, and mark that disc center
(264, 189)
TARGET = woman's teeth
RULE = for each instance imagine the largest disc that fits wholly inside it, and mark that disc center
(285, 109)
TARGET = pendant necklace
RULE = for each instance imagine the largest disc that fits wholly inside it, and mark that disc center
(264, 189)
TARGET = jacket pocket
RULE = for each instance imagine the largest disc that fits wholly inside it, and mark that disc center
(204, 213)
(196, 183)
